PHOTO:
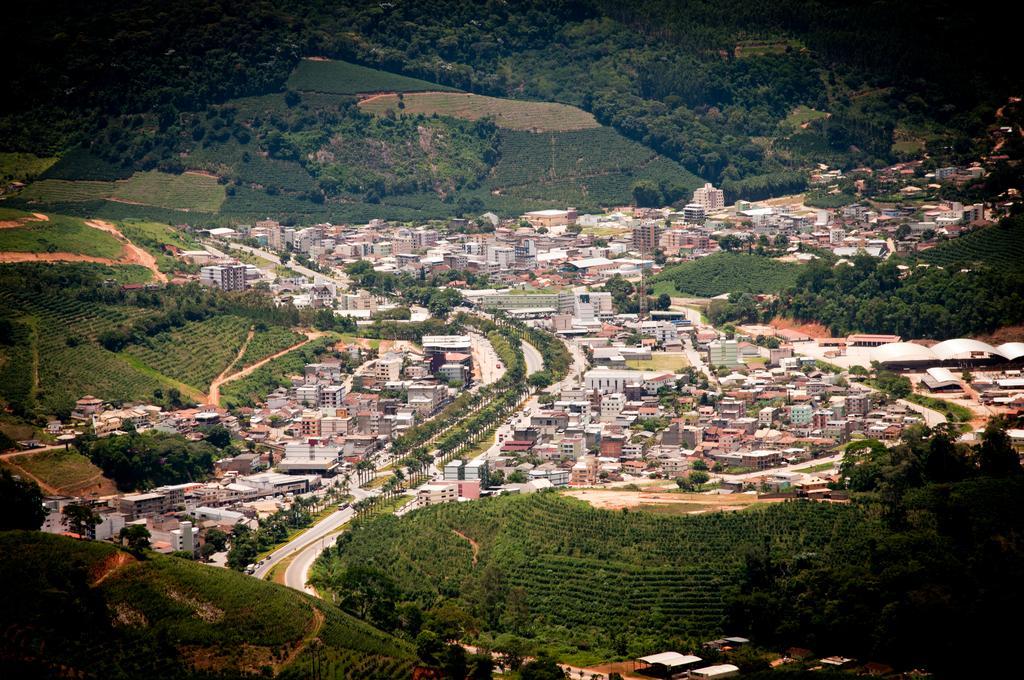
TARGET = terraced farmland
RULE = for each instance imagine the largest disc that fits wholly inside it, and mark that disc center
(187, 191)
(268, 341)
(341, 77)
(61, 332)
(512, 114)
(196, 353)
(1001, 246)
(609, 572)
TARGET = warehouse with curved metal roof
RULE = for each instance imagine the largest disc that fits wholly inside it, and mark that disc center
(956, 351)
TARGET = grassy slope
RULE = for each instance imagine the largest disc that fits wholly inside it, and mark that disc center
(591, 574)
(69, 471)
(61, 334)
(58, 234)
(727, 273)
(158, 616)
(196, 353)
(512, 114)
(22, 166)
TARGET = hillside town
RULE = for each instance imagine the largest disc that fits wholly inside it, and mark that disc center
(657, 394)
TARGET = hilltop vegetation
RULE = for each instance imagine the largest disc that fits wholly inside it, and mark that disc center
(58, 233)
(320, 156)
(99, 612)
(727, 273)
(923, 560)
(747, 95)
(871, 296)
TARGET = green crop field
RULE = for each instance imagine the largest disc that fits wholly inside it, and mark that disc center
(66, 371)
(727, 273)
(58, 234)
(588, 575)
(507, 113)
(197, 352)
(596, 167)
(1001, 246)
(54, 357)
(171, 618)
(187, 191)
(341, 77)
(67, 191)
(266, 342)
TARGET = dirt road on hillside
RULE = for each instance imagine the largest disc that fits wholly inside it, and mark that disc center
(131, 253)
(213, 397)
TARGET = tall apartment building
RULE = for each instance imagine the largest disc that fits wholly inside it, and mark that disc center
(709, 198)
(224, 276)
(694, 213)
(645, 237)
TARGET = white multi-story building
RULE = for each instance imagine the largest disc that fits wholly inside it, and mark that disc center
(224, 276)
(185, 538)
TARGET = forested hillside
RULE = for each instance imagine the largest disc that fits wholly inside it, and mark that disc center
(735, 92)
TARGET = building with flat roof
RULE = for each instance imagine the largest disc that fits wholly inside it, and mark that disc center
(434, 494)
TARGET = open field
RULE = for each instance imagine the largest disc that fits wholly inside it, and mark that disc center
(266, 342)
(66, 471)
(664, 502)
(507, 113)
(726, 273)
(187, 191)
(341, 77)
(660, 361)
(802, 115)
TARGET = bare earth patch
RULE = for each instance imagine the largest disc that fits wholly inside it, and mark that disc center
(815, 330)
(662, 502)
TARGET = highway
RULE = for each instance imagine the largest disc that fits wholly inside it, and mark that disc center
(305, 548)
(486, 360)
(534, 360)
(309, 544)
